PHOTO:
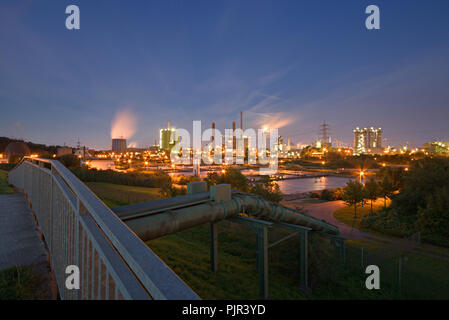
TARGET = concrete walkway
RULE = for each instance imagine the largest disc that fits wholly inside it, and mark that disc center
(20, 244)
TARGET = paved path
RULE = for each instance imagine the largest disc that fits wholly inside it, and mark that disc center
(20, 244)
(325, 210)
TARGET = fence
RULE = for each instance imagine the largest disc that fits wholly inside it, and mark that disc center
(80, 230)
(403, 274)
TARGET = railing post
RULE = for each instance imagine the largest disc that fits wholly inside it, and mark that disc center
(363, 258)
(343, 250)
(76, 227)
(262, 261)
(214, 246)
(399, 272)
(50, 236)
(303, 255)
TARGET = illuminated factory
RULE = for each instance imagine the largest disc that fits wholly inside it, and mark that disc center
(119, 145)
(167, 138)
(367, 141)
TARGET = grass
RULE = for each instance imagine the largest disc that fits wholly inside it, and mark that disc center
(346, 214)
(422, 277)
(115, 195)
(20, 283)
(4, 187)
(187, 253)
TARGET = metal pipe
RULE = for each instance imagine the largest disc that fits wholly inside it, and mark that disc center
(157, 225)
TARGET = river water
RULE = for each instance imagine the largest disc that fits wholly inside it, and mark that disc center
(311, 184)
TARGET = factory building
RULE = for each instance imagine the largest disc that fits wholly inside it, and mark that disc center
(167, 138)
(119, 145)
(436, 147)
(62, 151)
(367, 141)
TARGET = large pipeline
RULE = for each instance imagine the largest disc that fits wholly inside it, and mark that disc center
(171, 221)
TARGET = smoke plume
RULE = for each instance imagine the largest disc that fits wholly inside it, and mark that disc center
(123, 125)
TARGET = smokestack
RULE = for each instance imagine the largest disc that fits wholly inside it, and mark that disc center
(234, 142)
(241, 120)
(213, 131)
(168, 125)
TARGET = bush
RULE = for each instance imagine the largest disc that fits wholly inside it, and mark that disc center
(327, 195)
(433, 219)
(70, 161)
(267, 189)
(387, 222)
(151, 180)
(338, 193)
(7, 166)
(183, 180)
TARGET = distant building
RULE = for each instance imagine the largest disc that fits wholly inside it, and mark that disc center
(436, 147)
(118, 145)
(82, 153)
(63, 151)
(16, 150)
(367, 141)
(167, 138)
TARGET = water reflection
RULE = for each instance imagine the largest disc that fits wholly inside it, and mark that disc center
(311, 184)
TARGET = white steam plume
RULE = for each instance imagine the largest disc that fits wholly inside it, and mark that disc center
(124, 124)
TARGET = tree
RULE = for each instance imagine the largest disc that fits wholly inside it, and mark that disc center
(386, 189)
(231, 176)
(70, 161)
(372, 191)
(353, 194)
(267, 189)
(433, 219)
(327, 195)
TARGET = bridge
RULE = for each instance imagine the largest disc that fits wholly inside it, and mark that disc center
(108, 244)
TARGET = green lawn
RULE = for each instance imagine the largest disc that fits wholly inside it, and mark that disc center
(346, 215)
(4, 187)
(115, 195)
(187, 253)
(422, 277)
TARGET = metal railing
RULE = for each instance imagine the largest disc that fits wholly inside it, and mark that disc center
(79, 229)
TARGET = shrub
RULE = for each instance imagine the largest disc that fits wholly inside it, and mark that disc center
(70, 161)
(327, 195)
(151, 180)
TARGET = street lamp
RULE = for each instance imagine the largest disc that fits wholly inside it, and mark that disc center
(361, 175)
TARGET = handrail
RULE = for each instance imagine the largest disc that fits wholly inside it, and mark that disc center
(102, 240)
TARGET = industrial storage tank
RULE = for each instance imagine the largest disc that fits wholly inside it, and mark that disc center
(118, 145)
(16, 150)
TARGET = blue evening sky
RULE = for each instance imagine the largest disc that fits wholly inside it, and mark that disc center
(287, 64)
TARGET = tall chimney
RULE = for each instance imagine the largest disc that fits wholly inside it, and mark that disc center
(168, 125)
(241, 120)
(234, 141)
(213, 131)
